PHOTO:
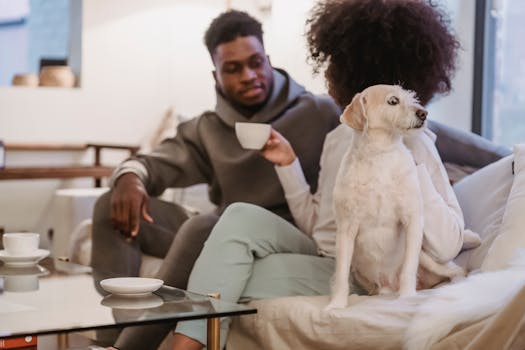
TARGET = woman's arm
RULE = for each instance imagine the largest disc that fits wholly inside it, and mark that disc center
(303, 205)
(444, 223)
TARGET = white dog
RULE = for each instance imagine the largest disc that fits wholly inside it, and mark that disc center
(378, 202)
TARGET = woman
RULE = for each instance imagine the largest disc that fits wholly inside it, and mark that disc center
(253, 253)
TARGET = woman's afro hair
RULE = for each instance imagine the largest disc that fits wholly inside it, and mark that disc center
(367, 42)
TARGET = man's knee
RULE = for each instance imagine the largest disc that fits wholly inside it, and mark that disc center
(102, 209)
(197, 228)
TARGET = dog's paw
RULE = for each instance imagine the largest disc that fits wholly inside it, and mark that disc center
(459, 274)
(456, 273)
(336, 303)
(407, 287)
(457, 279)
(385, 291)
(407, 292)
(471, 239)
(331, 307)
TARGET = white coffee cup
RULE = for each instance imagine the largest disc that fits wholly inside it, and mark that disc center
(20, 243)
(252, 135)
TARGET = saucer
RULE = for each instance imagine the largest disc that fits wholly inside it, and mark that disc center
(131, 286)
(23, 261)
(35, 270)
(135, 303)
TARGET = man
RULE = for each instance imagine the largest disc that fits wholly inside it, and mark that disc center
(127, 222)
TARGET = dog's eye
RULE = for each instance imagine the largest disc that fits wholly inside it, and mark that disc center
(393, 101)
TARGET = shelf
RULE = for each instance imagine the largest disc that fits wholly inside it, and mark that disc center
(95, 171)
(66, 172)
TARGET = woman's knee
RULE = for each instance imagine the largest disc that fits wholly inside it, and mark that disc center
(241, 220)
(241, 209)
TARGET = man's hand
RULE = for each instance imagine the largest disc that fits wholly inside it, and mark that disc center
(129, 200)
(278, 150)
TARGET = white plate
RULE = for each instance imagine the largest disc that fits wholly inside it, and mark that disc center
(131, 286)
(23, 261)
(135, 303)
(35, 270)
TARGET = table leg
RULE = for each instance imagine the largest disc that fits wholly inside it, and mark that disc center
(63, 340)
(214, 329)
(214, 335)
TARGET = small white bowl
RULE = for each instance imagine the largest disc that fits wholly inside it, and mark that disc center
(252, 135)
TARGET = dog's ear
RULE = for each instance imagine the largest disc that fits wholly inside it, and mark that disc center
(354, 114)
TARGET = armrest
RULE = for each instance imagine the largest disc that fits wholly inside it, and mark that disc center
(464, 147)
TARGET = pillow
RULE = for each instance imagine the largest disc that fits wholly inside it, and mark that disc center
(512, 235)
(482, 197)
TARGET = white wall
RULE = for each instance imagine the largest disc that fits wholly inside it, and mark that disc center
(140, 57)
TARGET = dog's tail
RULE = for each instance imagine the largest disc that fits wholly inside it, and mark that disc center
(477, 296)
(449, 269)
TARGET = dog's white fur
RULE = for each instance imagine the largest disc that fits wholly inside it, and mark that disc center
(377, 199)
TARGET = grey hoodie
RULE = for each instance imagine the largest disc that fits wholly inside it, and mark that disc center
(206, 150)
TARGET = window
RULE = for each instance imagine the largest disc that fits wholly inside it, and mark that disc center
(34, 33)
(499, 78)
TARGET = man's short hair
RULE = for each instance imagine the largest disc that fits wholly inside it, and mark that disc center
(230, 25)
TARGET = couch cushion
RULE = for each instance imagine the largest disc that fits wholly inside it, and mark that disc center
(300, 323)
(482, 196)
(512, 236)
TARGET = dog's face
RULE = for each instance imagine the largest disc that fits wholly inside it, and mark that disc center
(387, 107)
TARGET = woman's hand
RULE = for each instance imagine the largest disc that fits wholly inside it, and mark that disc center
(278, 150)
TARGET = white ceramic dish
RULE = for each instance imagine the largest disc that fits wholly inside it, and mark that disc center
(131, 286)
(23, 261)
(116, 301)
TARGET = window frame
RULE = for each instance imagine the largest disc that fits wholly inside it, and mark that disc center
(484, 74)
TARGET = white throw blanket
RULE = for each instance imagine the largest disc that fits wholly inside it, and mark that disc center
(477, 296)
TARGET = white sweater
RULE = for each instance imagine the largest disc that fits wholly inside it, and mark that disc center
(314, 214)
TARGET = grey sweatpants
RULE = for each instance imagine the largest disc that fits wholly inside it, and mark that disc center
(172, 236)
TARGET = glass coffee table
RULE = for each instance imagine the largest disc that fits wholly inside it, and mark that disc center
(57, 297)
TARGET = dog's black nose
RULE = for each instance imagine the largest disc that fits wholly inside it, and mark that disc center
(421, 114)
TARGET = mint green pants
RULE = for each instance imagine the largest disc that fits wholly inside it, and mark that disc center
(254, 254)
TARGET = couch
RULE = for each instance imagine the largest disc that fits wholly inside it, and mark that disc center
(486, 310)
(298, 322)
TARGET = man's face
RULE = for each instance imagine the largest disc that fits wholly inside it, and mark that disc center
(242, 71)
